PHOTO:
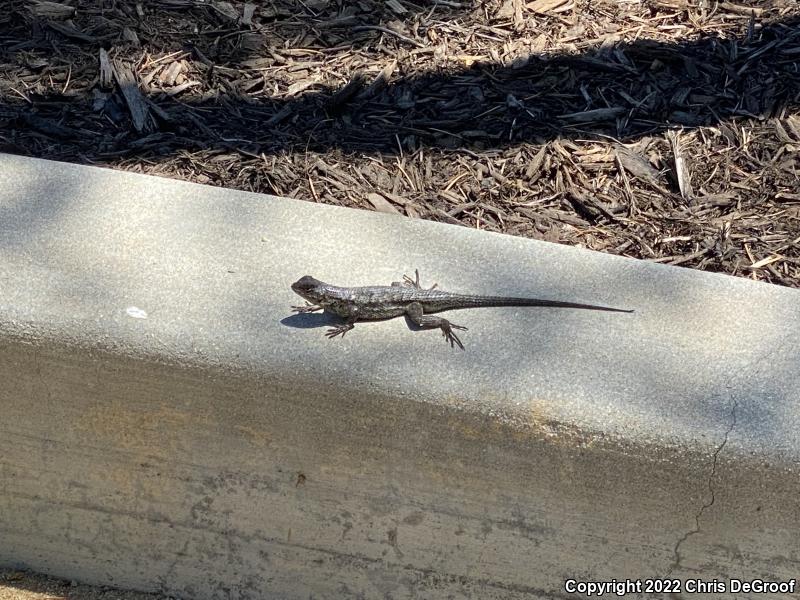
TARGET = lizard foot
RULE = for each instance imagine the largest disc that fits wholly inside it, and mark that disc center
(339, 330)
(415, 282)
(447, 331)
(308, 308)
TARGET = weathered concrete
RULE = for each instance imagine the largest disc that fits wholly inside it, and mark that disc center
(166, 424)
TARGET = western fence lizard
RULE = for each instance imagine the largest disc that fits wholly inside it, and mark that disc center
(405, 298)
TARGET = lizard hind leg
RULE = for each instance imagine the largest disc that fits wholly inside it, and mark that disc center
(418, 317)
(408, 282)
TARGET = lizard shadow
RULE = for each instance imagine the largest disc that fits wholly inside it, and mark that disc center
(327, 319)
(311, 320)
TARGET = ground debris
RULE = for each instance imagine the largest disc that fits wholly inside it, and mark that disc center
(666, 130)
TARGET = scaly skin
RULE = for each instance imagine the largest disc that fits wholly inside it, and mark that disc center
(405, 298)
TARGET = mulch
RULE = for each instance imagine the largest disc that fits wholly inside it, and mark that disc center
(666, 130)
(26, 585)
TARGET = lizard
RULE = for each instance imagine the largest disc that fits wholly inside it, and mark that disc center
(409, 298)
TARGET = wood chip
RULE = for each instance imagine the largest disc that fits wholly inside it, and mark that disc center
(544, 7)
(300, 86)
(396, 7)
(346, 93)
(506, 10)
(598, 114)
(680, 167)
(381, 204)
(248, 10)
(739, 9)
(126, 80)
(106, 70)
(765, 261)
(52, 10)
(69, 30)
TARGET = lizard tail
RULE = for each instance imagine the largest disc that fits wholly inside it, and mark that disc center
(467, 301)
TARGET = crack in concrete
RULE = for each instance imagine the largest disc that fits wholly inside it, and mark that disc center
(754, 369)
(676, 551)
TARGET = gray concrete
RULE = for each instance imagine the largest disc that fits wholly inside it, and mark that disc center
(168, 425)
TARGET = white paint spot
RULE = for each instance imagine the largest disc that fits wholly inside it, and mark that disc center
(136, 313)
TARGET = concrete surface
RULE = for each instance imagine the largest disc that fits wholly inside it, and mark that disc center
(168, 425)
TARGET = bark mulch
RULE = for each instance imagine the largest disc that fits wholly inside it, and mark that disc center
(666, 130)
(25, 585)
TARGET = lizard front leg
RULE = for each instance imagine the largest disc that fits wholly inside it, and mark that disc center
(350, 316)
(340, 329)
(308, 308)
(416, 313)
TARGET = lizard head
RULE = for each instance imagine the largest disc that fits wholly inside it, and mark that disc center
(309, 288)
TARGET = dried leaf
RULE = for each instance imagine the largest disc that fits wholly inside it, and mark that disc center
(637, 165)
(226, 9)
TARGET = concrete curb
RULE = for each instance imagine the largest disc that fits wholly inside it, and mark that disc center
(167, 425)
